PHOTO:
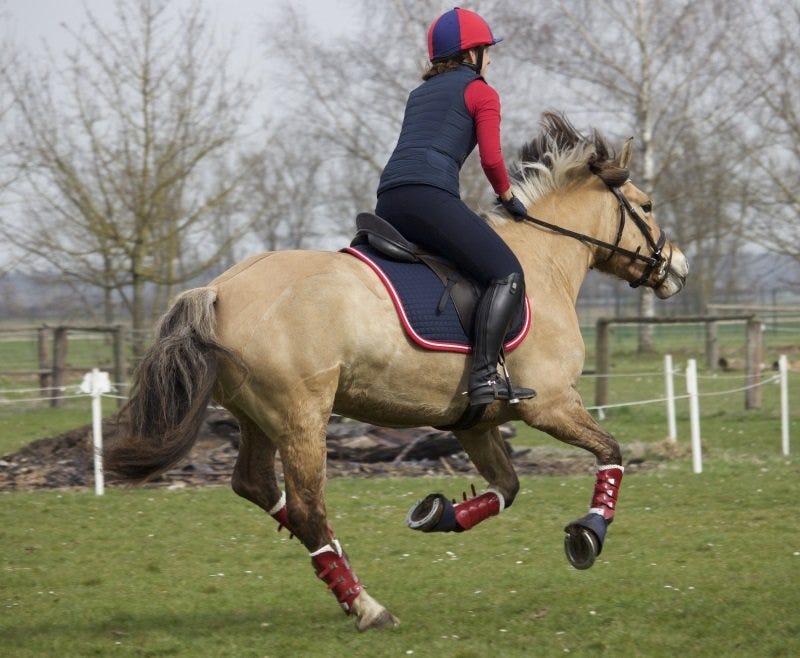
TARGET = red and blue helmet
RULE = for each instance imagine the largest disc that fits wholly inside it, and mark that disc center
(457, 30)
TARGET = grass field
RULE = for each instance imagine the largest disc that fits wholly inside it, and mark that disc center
(695, 565)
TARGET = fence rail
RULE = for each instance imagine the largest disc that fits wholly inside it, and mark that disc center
(52, 348)
(754, 348)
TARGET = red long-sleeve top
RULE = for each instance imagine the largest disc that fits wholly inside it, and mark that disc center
(483, 103)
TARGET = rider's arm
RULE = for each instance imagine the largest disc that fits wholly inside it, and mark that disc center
(483, 104)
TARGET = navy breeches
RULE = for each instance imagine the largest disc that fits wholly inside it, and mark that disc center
(443, 224)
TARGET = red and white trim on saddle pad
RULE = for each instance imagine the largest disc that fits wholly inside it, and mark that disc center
(440, 346)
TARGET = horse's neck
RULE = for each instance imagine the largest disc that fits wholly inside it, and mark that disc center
(551, 261)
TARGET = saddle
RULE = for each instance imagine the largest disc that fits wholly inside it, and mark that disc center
(387, 240)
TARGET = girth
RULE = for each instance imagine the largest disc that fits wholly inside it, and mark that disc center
(385, 238)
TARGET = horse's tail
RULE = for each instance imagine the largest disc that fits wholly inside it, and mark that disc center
(171, 389)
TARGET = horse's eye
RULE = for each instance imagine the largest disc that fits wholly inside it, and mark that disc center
(647, 206)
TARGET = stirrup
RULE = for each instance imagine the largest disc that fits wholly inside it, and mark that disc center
(491, 390)
(494, 389)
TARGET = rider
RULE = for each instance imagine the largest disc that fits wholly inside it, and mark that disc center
(445, 117)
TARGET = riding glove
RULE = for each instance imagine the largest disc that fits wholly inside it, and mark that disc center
(515, 208)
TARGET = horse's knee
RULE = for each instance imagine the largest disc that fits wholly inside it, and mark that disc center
(615, 452)
(510, 491)
(573, 425)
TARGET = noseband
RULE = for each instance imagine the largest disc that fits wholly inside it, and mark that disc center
(656, 246)
(653, 261)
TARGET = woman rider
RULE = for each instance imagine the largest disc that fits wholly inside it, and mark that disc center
(445, 117)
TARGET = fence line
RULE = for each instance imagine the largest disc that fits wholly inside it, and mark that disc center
(97, 385)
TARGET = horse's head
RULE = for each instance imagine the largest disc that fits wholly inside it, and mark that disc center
(617, 220)
(641, 253)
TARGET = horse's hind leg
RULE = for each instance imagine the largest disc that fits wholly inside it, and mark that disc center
(487, 450)
(303, 453)
(254, 474)
(572, 424)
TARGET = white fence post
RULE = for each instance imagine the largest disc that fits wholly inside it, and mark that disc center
(669, 383)
(694, 415)
(96, 383)
(783, 369)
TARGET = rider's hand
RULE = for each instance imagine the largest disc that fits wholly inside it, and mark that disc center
(514, 207)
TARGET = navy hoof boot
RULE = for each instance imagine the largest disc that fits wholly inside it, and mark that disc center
(434, 513)
(584, 540)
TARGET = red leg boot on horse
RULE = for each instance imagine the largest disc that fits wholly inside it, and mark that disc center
(585, 537)
(333, 568)
(281, 514)
(435, 513)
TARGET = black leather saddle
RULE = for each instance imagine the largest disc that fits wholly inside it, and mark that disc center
(386, 239)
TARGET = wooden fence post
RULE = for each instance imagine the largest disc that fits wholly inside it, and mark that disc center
(712, 345)
(44, 365)
(120, 372)
(602, 360)
(754, 351)
(59, 360)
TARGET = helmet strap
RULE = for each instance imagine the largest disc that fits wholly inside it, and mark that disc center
(478, 65)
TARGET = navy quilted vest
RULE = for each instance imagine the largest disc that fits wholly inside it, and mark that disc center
(438, 134)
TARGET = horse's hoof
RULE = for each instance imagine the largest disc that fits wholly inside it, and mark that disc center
(581, 546)
(434, 513)
(382, 620)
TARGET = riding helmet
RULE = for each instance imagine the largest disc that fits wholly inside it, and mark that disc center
(457, 30)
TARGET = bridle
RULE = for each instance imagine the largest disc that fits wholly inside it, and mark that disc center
(654, 261)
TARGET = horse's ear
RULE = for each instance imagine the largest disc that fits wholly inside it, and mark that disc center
(624, 157)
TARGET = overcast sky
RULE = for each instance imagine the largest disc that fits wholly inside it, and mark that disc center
(33, 19)
(29, 22)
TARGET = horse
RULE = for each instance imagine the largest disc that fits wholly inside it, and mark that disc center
(285, 339)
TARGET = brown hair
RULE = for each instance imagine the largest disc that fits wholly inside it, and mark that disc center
(444, 66)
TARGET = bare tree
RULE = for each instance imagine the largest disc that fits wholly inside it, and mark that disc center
(7, 171)
(123, 152)
(285, 192)
(654, 65)
(770, 132)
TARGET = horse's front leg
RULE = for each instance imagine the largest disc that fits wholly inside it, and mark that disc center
(487, 450)
(572, 424)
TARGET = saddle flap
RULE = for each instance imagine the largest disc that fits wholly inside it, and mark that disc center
(385, 238)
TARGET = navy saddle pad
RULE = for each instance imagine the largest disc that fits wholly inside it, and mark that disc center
(417, 293)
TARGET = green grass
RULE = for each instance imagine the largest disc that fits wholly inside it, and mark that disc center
(90, 350)
(700, 565)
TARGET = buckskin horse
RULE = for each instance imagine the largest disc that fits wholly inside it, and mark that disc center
(285, 339)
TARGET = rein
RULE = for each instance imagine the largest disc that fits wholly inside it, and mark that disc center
(656, 246)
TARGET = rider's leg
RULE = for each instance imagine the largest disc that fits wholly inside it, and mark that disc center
(495, 312)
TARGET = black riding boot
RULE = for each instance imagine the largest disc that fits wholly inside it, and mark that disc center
(494, 314)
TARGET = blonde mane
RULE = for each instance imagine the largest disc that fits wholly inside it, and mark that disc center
(558, 156)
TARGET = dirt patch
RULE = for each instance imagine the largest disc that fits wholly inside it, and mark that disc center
(354, 450)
